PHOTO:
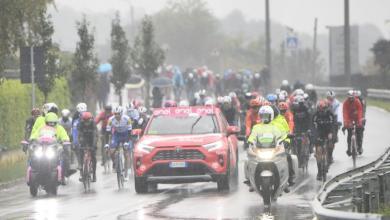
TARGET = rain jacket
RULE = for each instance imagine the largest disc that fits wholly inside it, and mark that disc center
(352, 112)
(290, 120)
(103, 117)
(61, 134)
(39, 123)
(251, 119)
(261, 129)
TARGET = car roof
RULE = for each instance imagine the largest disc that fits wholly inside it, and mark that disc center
(183, 111)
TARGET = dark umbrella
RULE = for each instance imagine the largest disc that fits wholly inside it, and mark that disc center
(161, 82)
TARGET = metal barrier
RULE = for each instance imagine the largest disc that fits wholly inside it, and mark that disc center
(365, 188)
(371, 93)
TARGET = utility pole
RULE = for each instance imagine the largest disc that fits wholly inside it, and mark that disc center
(347, 49)
(268, 41)
(314, 52)
(32, 77)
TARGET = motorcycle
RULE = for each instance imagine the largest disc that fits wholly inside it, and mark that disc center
(44, 166)
(267, 168)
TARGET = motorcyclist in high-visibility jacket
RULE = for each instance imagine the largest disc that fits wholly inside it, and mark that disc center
(277, 126)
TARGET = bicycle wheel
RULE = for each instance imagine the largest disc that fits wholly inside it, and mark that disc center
(85, 176)
(354, 150)
(324, 162)
(119, 165)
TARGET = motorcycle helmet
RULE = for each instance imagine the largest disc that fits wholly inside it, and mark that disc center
(266, 114)
(51, 119)
(50, 107)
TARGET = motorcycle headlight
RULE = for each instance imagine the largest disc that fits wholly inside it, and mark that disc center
(265, 155)
(50, 153)
(145, 148)
(213, 146)
(38, 152)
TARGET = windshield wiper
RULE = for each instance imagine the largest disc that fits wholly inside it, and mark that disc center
(196, 122)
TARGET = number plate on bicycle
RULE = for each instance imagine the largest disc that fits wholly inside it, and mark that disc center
(181, 164)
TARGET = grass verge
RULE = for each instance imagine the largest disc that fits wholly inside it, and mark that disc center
(12, 166)
(379, 103)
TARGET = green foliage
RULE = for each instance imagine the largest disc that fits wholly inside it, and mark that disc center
(381, 50)
(18, 21)
(85, 64)
(189, 31)
(379, 103)
(120, 57)
(146, 54)
(15, 107)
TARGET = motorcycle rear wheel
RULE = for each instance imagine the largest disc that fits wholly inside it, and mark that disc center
(33, 190)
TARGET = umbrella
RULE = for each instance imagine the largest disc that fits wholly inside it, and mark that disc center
(161, 82)
(104, 68)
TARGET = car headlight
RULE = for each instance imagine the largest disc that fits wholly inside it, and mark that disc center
(38, 152)
(144, 148)
(50, 153)
(213, 146)
(265, 155)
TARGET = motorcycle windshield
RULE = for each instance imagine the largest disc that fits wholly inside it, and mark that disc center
(266, 140)
(47, 136)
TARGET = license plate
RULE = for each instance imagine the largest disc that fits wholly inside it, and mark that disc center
(178, 164)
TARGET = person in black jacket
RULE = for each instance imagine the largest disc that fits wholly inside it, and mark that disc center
(229, 111)
(87, 135)
(35, 113)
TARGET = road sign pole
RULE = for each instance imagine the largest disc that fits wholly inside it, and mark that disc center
(32, 77)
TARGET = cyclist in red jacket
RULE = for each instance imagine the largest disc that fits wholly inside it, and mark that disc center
(103, 118)
(353, 114)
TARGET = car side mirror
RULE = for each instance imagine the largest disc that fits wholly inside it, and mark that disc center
(233, 130)
(136, 132)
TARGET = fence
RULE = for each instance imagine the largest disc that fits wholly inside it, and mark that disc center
(381, 94)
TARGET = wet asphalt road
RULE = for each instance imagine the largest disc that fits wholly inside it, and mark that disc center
(187, 201)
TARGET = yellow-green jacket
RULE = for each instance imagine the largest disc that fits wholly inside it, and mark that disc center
(260, 129)
(39, 123)
(61, 133)
(282, 124)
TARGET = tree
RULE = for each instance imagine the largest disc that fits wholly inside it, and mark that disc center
(85, 64)
(43, 36)
(120, 57)
(146, 54)
(189, 30)
(381, 50)
(18, 20)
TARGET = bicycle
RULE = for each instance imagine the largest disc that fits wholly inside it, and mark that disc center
(322, 156)
(105, 153)
(354, 152)
(302, 144)
(87, 169)
(121, 163)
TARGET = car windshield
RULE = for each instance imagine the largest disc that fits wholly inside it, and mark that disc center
(188, 124)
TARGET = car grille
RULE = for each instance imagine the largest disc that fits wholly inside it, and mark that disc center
(179, 155)
(192, 169)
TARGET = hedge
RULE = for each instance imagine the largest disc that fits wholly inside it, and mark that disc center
(15, 107)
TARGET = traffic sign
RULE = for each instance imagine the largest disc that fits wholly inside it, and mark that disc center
(292, 42)
(25, 64)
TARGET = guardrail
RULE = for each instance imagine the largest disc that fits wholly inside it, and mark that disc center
(363, 192)
(382, 94)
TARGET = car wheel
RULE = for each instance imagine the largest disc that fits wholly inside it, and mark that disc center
(140, 185)
(33, 190)
(223, 183)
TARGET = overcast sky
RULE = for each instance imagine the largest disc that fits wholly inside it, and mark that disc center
(298, 14)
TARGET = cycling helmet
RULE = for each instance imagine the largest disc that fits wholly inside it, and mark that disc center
(209, 102)
(299, 99)
(190, 75)
(51, 119)
(299, 92)
(255, 94)
(272, 98)
(309, 87)
(170, 103)
(136, 103)
(118, 110)
(322, 105)
(306, 96)
(257, 75)
(248, 95)
(108, 108)
(81, 107)
(232, 95)
(285, 83)
(358, 93)
(184, 103)
(202, 92)
(283, 106)
(281, 97)
(50, 107)
(330, 94)
(86, 116)
(255, 103)
(227, 100)
(142, 109)
(350, 94)
(65, 113)
(266, 114)
(35, 112)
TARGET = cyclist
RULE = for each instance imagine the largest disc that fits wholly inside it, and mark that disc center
(169, 103)
(336, 110)
(229, 111)
(119, 126)
(285, 86)
(323, 121)
(252, 116)
(309, 89)
(35, 113)
(302, 117)
(40, 120)
(66, 120)
(353, 113)
(80, 108)
(284, 111)
(87, 135)
(103, 117)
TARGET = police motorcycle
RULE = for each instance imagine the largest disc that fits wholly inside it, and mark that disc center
(44, 169)
(267, 169)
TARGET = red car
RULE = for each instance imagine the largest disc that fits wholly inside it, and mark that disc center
(186, 144)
